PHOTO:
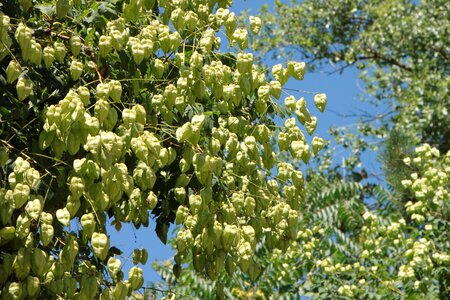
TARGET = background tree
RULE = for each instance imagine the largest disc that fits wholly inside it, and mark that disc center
(115, 111)
(400, 47)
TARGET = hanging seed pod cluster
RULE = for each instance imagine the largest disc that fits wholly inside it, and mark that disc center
(118, 113)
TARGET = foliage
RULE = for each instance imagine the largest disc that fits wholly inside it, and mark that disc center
(114, 110)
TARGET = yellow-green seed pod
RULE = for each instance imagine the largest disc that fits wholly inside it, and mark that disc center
(135, 278)
(49, 56)
(33, 286)
(39, 262)
(24, 88)
(60, 51)
(75, 45)
(47, 233)
(88, 223)
(100, 245)
(76, 69)
(13, 71)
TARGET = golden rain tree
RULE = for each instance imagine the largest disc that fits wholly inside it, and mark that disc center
(116, 111)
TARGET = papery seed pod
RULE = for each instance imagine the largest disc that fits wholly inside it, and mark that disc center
(297, 148)
(105, 45)
(320, 100)
(240, 36)
(283, 142)
(31, 178)
(185, 240)
(264, 92)
(23, 35)
(34, 208)
(159, 68)
(60, 51)
(72, 205)
(230, 236)
(255, 24)
(230, 24)
(207, 40)
(311, 125)
(164, 40)
(63, 216)
(281, 74)
(196, 61)
(290, 102)
(181, 215)
(191, 20)
(21, 195)
(88, 223)
(115, 90)
(76, 69)
(35, 53)
(317, 144)
(297, 179)
(144, 256)
(46, 235)
(75, 45)
(32, 286)
(135, 278)
(128, 117)
(184, 132)
(120, 291)
(244, 63)
(175, 41)
(195, 203)
(296, 69)
(14, 290)
(118, 40)
(46, 218)
(141, 114)
(249, 206)
(237, 199)
(114, 265)
(39, 262)
(24, 87)
(275, 88)
(76, 186)
(13, 71)
(137, 50)
(100, 245)
(148, 46)
(180, 194)
(152, 200)
(49, 56)
(83, 93)
(101, 110)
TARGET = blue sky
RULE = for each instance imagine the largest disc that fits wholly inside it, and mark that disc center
(342, 91)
